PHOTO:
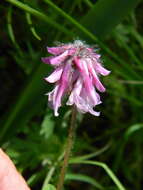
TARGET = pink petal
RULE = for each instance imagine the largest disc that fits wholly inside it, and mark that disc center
(55, 50)
(75, 98)
(52, 99)
(58, 98)
(96, 56)
(82, 103)
(58, 50)
(59, 59)
(75, 77)
(46, 60)
(96, 80)
(62, 88)
(101, 70)
(55, 76)
(95, 113)
(52, 95)
(85, 95)
(82, 65)
(75, 92)
(89, 103)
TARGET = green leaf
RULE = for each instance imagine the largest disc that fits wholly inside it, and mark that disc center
(49, 187)
(47, 126)
(105, 15)
(84, 178)
(29, 21)
(29, 101)
(40, 15)
(105, 167)
(132, 129)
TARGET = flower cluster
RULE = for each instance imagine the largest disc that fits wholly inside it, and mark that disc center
(77, 67)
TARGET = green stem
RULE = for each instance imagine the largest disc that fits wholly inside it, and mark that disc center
(40, 15)
(67, 150)
(72, 20)
(90, 5)
(137, 36)
(105, 167)
(51, 172)
(10, 30)
(29, 21)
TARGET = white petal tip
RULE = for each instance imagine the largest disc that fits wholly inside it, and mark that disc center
(56, 114)
(69, 104)
(96, 114)
(49, 79)
(105, 73)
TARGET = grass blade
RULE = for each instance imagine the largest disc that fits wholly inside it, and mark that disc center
(105, 15)
(105, 167)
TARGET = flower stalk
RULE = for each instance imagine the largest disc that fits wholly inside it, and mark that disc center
(68, 149)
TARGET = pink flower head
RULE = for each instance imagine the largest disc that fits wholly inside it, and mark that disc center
(77, 67)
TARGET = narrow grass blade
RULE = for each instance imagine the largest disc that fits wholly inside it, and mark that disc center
(84, 178)
(40, 15)
(105, 15)
(105, 167)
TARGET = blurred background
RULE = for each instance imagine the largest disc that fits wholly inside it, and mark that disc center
(29, 132)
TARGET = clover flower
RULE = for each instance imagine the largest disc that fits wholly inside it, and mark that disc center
(77, 67)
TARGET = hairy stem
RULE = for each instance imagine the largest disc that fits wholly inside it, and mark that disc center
(67, 150)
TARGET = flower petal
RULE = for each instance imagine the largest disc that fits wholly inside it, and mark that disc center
(52, 96)
(89, 103)
(96, 56)
(101, 70)
(76, 91)
(46, 59)
(56, 60)
(60, 49)
(55, 76)
(55, 50)
(95, 113)
(59, 59)
(82, 103)
(82, 65)
(84, 94)
(96, 80)
(63, 85)
(75, 98)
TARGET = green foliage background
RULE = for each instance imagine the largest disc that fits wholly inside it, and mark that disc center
(107, 154)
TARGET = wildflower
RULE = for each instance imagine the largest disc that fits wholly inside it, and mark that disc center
(77, 67)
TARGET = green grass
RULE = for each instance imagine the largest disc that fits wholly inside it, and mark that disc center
(30, 133)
